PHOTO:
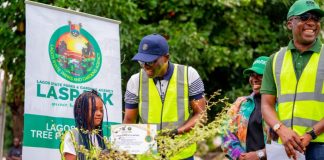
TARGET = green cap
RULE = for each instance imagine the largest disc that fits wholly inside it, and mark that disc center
(257, 66)
(303, 6)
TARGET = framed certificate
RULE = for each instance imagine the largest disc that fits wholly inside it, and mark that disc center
(134, 138)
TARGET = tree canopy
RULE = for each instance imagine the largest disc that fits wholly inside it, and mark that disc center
(219, 38)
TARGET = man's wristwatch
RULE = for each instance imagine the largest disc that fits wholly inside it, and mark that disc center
(276, 126)
(312, 133)
(260, 154)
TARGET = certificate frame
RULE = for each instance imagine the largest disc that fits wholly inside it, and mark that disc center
(134, 138)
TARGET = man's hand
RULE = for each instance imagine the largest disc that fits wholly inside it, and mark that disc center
(249, 156)
(170, 133)
(305, 139)
(291, 141)
(199, 114)
(173, 133)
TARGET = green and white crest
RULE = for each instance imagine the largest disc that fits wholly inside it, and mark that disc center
(74, 53)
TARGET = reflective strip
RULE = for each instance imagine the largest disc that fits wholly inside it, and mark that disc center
(320, 73)
(299, 122)
(301, 97)
(180, 94)
(278, 66)
(144, 94)
(144, 101)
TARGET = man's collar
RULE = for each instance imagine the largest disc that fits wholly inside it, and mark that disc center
(315, 48)
(167, 75)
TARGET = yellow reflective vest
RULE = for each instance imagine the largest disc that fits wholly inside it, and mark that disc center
(74, 133)
(300, 101)
(173, 112)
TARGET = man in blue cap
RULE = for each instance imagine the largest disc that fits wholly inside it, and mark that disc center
(294, 76)
(162, 92)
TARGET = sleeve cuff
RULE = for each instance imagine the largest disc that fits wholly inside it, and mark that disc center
(268, 92)
(131, 106)
(197, 96)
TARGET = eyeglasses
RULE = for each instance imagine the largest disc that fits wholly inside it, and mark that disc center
(307, 16)
(150, 64)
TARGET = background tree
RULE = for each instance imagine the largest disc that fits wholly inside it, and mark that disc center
(219, 38)
(12, 51)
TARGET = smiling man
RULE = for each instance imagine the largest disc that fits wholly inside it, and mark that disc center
(162, 92)
(294, 77)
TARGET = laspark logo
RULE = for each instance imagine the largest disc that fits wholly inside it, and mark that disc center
(74, 53)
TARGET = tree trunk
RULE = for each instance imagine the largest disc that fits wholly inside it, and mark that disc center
(18, 122)
(17, 110)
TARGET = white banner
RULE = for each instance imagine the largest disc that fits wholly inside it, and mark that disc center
(67, 53)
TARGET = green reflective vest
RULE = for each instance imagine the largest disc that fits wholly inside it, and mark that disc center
(300, 102)
(173, 112)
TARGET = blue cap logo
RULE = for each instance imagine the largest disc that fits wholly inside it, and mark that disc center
(145, 46)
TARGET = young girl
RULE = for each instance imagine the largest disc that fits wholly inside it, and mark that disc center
(88, 115)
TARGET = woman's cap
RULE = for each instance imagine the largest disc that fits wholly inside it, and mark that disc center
(257, 66)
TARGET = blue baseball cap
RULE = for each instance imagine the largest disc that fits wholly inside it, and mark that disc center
(151, 48)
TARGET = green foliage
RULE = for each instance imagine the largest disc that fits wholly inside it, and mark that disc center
(12, 46)
(219, 38)
(169, 146)
(97, 153)
(8, 138)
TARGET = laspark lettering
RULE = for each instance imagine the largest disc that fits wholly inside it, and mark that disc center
(65, 93)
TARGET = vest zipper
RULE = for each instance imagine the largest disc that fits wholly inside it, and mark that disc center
(162, 100)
